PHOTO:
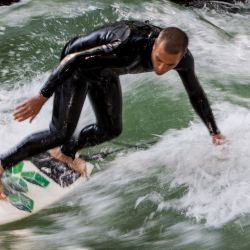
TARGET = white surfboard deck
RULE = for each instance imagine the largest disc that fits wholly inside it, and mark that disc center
(39, 195)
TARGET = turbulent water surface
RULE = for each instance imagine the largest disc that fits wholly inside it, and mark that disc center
(181, 192)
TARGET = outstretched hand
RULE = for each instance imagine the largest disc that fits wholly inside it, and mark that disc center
(29, 108)
(219, 139)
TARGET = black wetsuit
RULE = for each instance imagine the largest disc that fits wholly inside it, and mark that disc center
(120, 48)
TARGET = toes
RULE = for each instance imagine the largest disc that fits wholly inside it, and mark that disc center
(3, 196)
(80, 166)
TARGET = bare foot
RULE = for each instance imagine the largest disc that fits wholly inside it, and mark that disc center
(76, 164)
(2, 194)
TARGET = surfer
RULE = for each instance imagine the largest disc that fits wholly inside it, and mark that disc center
(91, 64)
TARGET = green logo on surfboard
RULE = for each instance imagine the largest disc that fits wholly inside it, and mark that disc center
(16, 185)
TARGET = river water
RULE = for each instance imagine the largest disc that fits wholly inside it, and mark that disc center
(179, 193)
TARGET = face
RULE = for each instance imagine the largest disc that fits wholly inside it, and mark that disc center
(162, 60)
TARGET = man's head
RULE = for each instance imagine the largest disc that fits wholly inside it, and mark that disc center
(168, 49)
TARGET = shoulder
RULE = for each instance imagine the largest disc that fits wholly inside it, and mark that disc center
(143, 27)
(107, 34)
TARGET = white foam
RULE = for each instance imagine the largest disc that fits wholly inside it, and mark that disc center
(217, 178)
(13, 16)
(11, 132)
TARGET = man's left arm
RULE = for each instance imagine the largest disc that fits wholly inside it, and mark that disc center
(197, 96)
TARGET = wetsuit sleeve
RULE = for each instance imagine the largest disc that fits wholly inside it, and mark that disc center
(96, 50)
(89, 59)
(196, 93)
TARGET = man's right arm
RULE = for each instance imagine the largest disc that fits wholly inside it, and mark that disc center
(87, 59)
(96, 50)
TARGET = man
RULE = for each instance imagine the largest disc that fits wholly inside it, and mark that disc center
(91, 64)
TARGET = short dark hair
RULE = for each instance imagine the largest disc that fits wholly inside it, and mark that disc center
(175, 39)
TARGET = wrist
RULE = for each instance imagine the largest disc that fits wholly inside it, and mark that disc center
(43, 92)
(214, 133)
(42, 97)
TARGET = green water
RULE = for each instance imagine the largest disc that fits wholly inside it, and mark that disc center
(182, 192)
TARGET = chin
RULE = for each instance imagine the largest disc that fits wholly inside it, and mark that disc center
(159, 73)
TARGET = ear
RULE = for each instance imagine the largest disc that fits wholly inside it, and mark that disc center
(153, 47)
(155, 43)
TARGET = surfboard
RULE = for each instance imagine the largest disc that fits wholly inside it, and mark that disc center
(34, 184)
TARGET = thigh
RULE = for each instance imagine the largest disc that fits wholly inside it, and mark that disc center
(106, 99)
(68, 101)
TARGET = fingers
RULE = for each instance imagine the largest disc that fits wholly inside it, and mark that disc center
(29, 109)
(24, 112)
(23, 109)
(21, 105)
(217, 141)
(20, 110)
(23, 115)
